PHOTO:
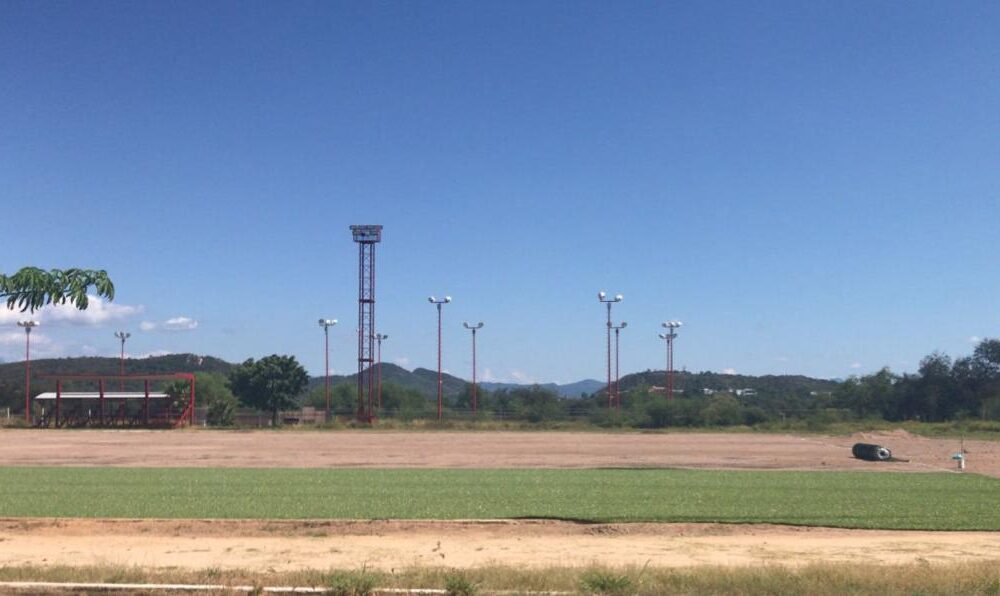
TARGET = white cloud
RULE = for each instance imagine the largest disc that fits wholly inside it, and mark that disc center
(729, 371)
(152, 354)
(855, 365)
(522, 378)
(98, 312)
(487, 376)
(180, 324)
(974, 339)
(12, 346)
(782, 358)
(402, 361)
(173, 324)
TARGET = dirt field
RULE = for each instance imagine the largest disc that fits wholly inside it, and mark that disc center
(284, 546)
(397, 544)
(201, 448)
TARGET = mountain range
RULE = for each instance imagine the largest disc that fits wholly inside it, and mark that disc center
(421, 379)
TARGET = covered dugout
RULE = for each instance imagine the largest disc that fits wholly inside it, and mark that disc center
(117, 401)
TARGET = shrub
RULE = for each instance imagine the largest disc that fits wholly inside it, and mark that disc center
(605, 582)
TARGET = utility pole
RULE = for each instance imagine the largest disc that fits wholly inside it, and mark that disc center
(473, 328)
(601, 296)
(671, 327)
(122, 335)
(618, 397)
(434, 300)
(378, 338)
(28, 326)
(326, 324)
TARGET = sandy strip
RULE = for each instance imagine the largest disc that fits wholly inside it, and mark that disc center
(284, 546)
(394, 449)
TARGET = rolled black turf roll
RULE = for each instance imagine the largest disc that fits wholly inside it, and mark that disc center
(870, 452)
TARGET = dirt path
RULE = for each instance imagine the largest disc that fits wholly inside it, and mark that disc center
(306, 449)
(284, 546)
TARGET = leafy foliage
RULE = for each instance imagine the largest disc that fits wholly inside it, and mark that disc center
(32, 288)
(942, 390)
(272, 383)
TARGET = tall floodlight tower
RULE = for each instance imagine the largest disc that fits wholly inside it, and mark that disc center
(438, 303)
(122, 335)
(473, 328)
(378, 338)
(609, 301)
(28, 326)
(671, 327)
(366, 236)
(326, 324)
(618, 397)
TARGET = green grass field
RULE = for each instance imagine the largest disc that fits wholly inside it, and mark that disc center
(840, 499)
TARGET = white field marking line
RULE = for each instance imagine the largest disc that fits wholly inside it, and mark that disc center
(27, 585)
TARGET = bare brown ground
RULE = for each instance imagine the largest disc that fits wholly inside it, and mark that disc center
(309, 449)
(290, 545)
(293, 545)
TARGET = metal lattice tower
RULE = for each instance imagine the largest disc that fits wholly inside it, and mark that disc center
(367, 236)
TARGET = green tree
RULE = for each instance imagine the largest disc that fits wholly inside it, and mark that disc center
(32, 288)
(213, 392)
(723, 410)
(271, 383)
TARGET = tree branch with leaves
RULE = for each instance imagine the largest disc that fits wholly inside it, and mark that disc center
(32, 288)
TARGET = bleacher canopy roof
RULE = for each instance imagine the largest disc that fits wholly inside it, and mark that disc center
(97, 395)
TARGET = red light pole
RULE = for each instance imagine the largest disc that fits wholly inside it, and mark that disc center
(379, 337)
(28, 325)
(671, 327)
(618, 398)
(601, 296)
(122, 335)
(434, 300)
(473, 328)
(326, 324)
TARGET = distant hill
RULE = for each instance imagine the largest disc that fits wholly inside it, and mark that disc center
(421, 380)
(688, 381)
(587, 386)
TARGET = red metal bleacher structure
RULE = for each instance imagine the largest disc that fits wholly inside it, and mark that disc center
(143, 408)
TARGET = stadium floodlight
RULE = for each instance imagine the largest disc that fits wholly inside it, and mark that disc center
(326, 324)
(122, 335)
(669, 336)
(378, 338)
(28, 326)
(438, 303)
(473, 329)
(602, 297)
(617, 328)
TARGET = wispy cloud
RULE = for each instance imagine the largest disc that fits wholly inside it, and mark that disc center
(12, 346)
(855, 365)
(172, 324)
(98, 312)
(521, 377)
(729, 371)
(974, 339)
(402, 361)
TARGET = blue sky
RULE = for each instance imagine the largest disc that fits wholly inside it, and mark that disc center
(812, 187)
